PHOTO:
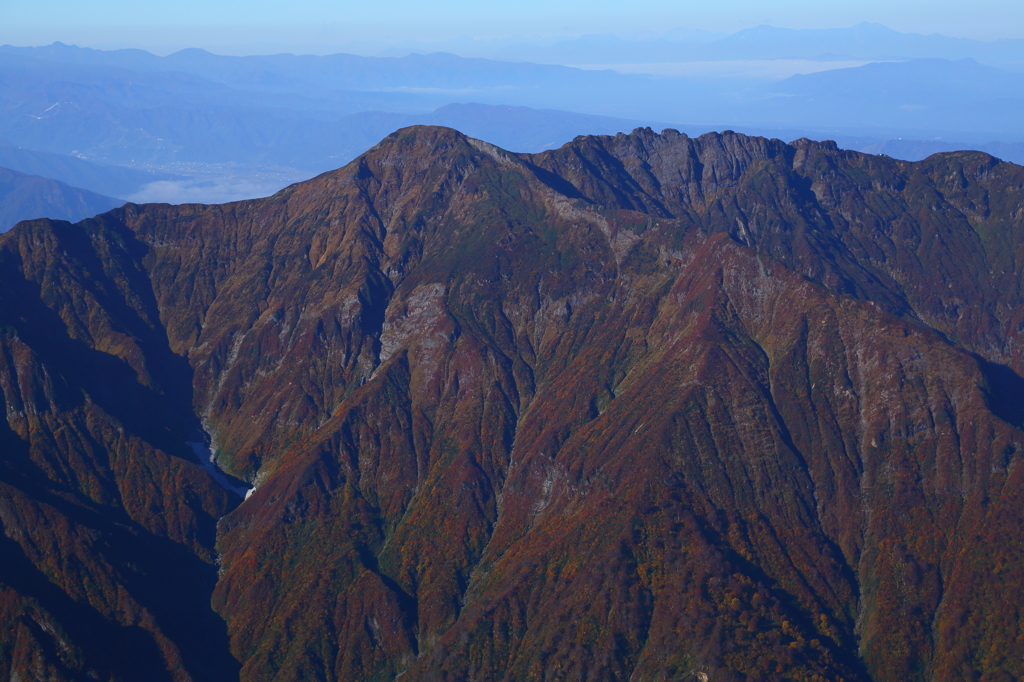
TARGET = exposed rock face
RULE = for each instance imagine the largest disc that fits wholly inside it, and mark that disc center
(644, 407)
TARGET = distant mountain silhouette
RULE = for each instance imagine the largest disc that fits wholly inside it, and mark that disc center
(23, 197)
(866, 41)
(892, 97)
(116, 181)
(916, 150)
(257, 123)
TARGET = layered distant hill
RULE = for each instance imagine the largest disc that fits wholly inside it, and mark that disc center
(309, 113)
(102, 179)
(23, 197)
(642, 407)
(865, 41)
(211, 128)
(922, 94)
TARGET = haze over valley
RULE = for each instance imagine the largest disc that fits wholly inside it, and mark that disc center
(193, 126)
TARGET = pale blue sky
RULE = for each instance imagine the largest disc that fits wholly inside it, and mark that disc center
(219, 23)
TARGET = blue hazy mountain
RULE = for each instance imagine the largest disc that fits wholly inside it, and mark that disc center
(172, 136)
(865, 41)
(109, 113)
(586, 49)
(193, 113)
(922, 94)
(916, 150)
(129, 106)
(343, 83)
(114, 181)
(24, 197)
(510, 127)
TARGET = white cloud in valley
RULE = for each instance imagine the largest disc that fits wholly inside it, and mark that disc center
(207, 191)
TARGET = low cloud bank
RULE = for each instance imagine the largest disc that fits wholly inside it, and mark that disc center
(207, 191)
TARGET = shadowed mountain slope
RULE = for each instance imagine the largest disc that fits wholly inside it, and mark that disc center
(24, 197)
(643, 407)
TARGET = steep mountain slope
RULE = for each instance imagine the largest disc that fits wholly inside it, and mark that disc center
(107, 558)
(642, 407)
(23, 197)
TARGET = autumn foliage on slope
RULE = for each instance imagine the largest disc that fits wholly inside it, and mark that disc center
(644, 407)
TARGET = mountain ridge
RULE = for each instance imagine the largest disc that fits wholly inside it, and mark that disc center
(676, 406)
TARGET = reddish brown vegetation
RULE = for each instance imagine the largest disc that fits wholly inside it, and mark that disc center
(640, 408)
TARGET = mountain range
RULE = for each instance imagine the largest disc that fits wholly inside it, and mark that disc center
(196, 126)
(922, 94)
(866, 41)
(645, 406)
(133, 108)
